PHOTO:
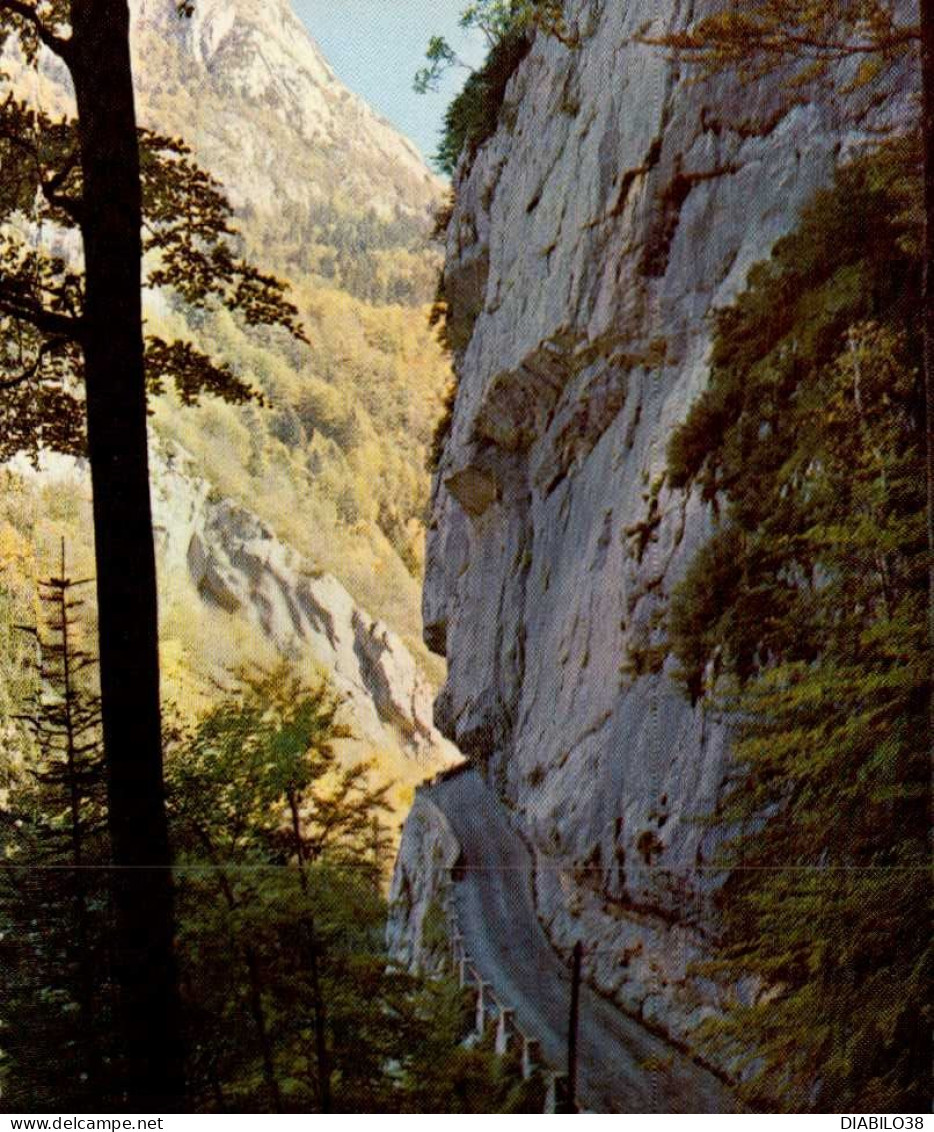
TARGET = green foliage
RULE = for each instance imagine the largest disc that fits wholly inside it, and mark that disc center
(507, 26)
(281, 855)
(282, 925)
(57, 1000)
(376, 259)
(440, 56)
(442, 430)
(278, 901)
(356, 511)
(802, 39)
(18, 554)
(473, 116)
(267, 747)
(805, 617)
(435, 929)
(338, 446)
(836, 289)
(191, 252)
(443, 1074)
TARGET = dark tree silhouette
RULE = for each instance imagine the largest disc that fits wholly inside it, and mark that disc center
(53, 900)
(76, 370)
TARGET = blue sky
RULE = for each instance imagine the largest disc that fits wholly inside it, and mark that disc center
(376, 46)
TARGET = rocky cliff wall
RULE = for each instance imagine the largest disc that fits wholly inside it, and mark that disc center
(236, 565)
(416, 931)
(248, 598)
(613, 210)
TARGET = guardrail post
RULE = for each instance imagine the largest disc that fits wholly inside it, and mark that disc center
(481, 1007)
(556, 1093)
(531, 1056)
(504, 1028)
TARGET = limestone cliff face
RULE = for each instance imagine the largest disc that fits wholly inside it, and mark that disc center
(615, 207)
(247, 86)
(230, 561)
(428, 851)
(249, 598)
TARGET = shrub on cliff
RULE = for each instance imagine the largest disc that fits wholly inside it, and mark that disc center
(473, 116)
(806, 617)
(507, 26)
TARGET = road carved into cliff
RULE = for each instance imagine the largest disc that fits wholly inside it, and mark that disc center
(623, 1067)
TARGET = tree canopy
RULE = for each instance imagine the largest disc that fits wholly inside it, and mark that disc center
(507, 27)
(282, 926)
(191, 250)
(804, 617)
(802, 39)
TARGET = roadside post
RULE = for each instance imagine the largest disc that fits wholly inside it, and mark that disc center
(569, 1103)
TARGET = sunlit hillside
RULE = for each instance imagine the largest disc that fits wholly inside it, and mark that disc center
(330, 197)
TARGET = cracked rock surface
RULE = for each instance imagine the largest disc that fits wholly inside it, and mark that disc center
(237, 564)
(614, 209)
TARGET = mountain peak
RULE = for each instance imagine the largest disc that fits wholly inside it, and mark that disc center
(254, 59)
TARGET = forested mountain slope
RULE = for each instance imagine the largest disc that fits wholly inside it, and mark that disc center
(329, 196)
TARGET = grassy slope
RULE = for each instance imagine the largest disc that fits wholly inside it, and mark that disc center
(334, 462)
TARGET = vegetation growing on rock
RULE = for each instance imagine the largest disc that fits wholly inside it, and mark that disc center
(507, 27)
(805, 616)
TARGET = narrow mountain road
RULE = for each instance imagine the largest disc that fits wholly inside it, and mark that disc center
(622, 1066)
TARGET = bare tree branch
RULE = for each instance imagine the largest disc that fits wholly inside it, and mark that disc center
(55, 43)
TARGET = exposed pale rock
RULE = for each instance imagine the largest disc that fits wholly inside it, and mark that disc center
(245, 85)
(614, 209)
(427, 853)
(235, 562)
(237, 61)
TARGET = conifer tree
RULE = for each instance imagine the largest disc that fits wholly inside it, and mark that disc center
(804, 617)
(57, 1009)
(76, 371)
(852, 45)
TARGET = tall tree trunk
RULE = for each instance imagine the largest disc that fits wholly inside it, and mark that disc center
(262, 1030)
(927, 129)
(126, 577)
(312, 951)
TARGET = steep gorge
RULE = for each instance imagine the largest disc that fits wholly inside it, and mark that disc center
(321, 490)
(615, 207)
